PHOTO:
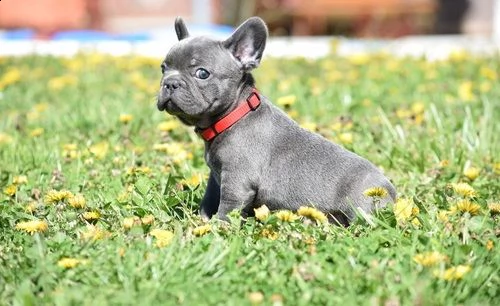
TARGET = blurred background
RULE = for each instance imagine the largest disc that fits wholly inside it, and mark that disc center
(147, 19)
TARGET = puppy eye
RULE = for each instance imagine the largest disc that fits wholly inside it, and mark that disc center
(202, 73)
(163, 68)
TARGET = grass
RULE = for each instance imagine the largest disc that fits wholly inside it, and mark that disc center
(114, 186)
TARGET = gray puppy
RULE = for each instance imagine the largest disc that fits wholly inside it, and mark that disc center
(256, 153)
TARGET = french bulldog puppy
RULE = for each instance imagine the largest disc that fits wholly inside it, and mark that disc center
(256, 153)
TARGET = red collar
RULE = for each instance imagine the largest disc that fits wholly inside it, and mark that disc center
(250, 104)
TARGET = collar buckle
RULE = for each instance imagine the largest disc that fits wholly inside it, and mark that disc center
(252, 103)
(253, 100)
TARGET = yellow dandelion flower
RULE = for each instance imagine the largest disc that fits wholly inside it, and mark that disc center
(161, 234)
(316, 90)
(36, 132)
(485, 86)
(70, 151)
(10, 77)
(69, 263)
(4, 138)
(458, 55)
(192, 181)
(466, 206)
(472, 173)
(99, 149)
(366, 102)
(346, 138)
(310, 126)
(490, 245)
(94, 233)
(148, 220)
(91, 215)
(58, 83)
(202, 230)
(142, 170)
(118, 160)
(465, 91)
(337, 126)
(162, 147)
(55, 196)
(379, 192)
(312, 213)
(359, 59)
(416, 222)
(70, 146)
(34, 226)
(161, 243)
(310, 240)
(453, 273)
(31, 207)
(20, 179)
(163, 237)
(286, 216)
(418, 108)
(418, 119)
(255, 298)
(269, 233)
(175, 150)
(444, 163)
(130, 222)
(443, 215)
(10, 190)
(403, 113)
(123, 197)
(286, 101)
(494, 208)
(77, 201)
(488, 73)
(262, 213)
(496, 168)
(167, 126)
(32, 116)
(404, 210)
(293, 113)
(41, 107)
(430, 258)
(125, 118)
(464, 189)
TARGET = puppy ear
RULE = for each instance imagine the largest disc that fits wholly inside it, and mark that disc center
(247, 43)
(181, 29)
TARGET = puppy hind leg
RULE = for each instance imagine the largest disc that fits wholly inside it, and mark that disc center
(210, 203)
(338, 218)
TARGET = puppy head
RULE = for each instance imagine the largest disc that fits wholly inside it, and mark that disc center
(202, 77)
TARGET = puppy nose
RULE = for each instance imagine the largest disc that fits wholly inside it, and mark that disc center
(171, 83)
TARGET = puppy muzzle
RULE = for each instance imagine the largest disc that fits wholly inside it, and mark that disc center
(169, 84)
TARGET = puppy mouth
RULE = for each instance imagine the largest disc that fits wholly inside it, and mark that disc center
(169, 106)
(162, 104)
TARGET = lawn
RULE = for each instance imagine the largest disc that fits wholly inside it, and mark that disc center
(99, 191)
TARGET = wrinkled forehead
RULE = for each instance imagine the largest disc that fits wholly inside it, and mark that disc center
(193, 51)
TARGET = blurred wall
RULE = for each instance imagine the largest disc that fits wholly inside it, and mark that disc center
(479, 17)
(370, 18)
(45, 16)
(135, 15)
(49, 16)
